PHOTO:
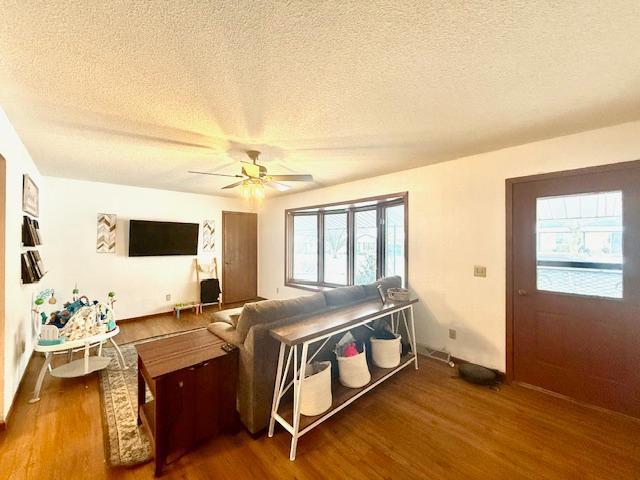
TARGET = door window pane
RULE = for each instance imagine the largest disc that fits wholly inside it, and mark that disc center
(579, 244)
(305, 247)
(394, 241)
(335, 248)
(366, 247)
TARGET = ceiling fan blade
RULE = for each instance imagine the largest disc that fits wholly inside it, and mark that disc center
(233, 185)
(292, 178)
(281, 187)
(216, 174)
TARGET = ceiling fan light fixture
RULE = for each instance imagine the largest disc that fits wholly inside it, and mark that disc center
(252, 190)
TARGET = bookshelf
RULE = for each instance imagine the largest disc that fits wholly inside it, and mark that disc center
(32, 267)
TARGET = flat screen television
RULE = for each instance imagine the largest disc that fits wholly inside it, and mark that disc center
(150, 239)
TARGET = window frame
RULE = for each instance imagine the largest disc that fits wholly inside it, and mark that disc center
(350, 207)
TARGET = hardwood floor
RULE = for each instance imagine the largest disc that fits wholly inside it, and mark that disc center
(419, 424)
(146, 327)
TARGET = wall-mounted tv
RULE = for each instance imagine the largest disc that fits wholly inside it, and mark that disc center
(150, 239)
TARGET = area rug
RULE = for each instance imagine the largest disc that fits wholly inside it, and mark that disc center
(126, 443)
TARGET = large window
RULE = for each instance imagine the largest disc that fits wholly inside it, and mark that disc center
(347, 244)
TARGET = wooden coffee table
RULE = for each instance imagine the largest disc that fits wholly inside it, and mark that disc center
(193, 383)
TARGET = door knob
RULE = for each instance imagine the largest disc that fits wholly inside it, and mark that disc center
(522, 292)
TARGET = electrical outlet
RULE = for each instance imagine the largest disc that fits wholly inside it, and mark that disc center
(452, 334)
(277, 290)
(168, 297)
(479, 271)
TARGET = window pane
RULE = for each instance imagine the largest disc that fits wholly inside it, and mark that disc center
(579, 244)
(335, 248)
(305, 247)
(366, 247)
(394, 241)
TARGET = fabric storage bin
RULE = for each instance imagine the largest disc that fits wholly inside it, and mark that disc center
(385, 353)
(354, 371)
(316, 389)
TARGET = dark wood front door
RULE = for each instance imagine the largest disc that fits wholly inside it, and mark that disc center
(575, 287)
(239, 256)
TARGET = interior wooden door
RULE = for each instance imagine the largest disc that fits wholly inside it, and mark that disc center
(239, 256)
(576, 286)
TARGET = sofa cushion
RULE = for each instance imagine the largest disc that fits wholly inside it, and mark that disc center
(269, 311)
(371, 289)
(338, 297)
(229, 316)
(225, 331)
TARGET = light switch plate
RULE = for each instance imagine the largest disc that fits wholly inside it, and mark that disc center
(479, 271)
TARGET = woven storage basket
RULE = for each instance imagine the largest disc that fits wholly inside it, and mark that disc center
(354, 371)
(316, 389)
(386, 353)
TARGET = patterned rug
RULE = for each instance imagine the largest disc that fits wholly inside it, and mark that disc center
(125, 442)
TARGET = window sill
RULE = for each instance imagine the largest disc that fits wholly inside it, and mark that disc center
(310, 288)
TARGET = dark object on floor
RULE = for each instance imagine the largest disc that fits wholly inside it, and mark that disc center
(477, 374)
(209, 290)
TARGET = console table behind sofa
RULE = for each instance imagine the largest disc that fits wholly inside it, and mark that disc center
(321, 328)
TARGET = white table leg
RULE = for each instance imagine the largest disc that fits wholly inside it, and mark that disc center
(36, 393)
(100, 349)
(115, 345)
(413, 338)
(276, 390)
(297, 396)
(86, 359)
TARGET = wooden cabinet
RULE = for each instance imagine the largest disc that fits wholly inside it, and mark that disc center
(193, 382)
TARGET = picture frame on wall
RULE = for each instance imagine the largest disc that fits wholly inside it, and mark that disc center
(209, 236)
(30, 196)
(106, 236)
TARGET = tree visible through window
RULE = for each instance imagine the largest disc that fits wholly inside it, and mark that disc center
(366, 247)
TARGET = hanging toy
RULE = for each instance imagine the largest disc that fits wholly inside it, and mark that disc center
(39, 301)
(75, 293)
(52, 299)
(110, 321)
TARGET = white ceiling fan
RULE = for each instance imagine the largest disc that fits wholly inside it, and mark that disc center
(254, 176)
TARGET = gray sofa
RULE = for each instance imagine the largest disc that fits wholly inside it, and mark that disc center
(248, 328)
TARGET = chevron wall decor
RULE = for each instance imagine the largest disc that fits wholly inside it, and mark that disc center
(209, 236)
(106, 242)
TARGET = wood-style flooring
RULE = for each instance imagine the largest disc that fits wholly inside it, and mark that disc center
(420, 424)
(136, 329)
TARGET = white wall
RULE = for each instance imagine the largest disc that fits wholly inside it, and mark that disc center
(18, 330)
(456, 221)
(69, 216)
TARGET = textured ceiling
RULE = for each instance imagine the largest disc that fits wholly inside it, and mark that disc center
(139, 92)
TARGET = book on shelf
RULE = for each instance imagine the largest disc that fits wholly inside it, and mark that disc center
(27, 272)
(32, 266)
(30, 232)
(36, 262)
(36, 227)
